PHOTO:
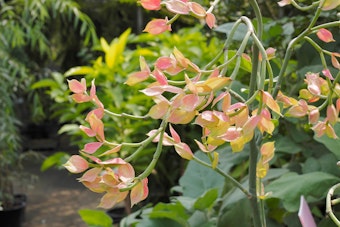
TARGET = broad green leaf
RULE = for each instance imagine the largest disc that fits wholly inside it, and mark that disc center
(245, 64)
(332, 144)
(206, 200)
(44, 83)
(291, 186)
(201, 219)
(173, 211)
(239, 214)
(95, 218)
(227, 27)
(79, 70)
(197, 179)
(163, 222)
(57, 159)
(286, 145)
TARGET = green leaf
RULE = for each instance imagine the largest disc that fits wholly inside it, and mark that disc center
(173, 211)
(291, 186)
(57, 159)
(68, 128)
(44, 83)
(239, 33)
(95, 218)
(197, 179)
(332, 144)
(207, 200)
(286, 145)
(79, 70)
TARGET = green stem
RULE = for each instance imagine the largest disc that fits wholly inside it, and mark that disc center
(289, 51)
(329, 210)
(125, 115)
(252, 183)
(225, 175)
(142, 146)
(153, 162)
(252, 88)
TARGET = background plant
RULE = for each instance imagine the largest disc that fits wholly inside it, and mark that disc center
(257, 91)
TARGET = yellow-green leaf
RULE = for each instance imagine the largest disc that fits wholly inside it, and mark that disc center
(79, 70)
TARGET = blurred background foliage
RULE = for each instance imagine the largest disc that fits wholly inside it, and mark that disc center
(43, 43)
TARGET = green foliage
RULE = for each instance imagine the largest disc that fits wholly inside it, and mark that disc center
(95, 218)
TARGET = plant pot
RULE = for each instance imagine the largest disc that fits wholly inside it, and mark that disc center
(14, 216)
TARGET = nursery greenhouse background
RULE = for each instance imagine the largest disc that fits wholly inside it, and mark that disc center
(169, 113)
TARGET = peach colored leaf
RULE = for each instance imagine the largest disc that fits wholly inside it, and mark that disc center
(157, 26)
(112, 151)
(90, 148)
(332, 114)
(251, 124)
(284, 3)
(76, 164)
(160, 77)
(98, 112)
(126, 172)
(143, 65)
(93, 89)
(137, 77)
(217, 83)
(181, 60)
(325, 35)
(95, 186)
(77, 87)
(184, 151)
(113, 161)
(267, 151)
(164, 63)
(90, 175)
(151, 4)
(270, 102)
(139, 192)
(197, 10)
(190, 102)
(329, 130)
(89, 132)
(335, 61)
(80, 98)
(177, 7)
(205, 148)
(159, 110)
(319, 128)
(330, 4)
(174, 134)
(314, 116)
(97, 126)
(232, 134)
(110, 178)
(167, 140)
(210, 20)
(327, 74)
(111, 198)
(179, 116)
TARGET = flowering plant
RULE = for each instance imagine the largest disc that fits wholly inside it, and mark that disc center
(185, 93)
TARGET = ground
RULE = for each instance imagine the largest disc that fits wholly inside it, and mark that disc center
(56, 197)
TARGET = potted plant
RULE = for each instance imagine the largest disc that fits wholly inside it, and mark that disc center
(12, 206)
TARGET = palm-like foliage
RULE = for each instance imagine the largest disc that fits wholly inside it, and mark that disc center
(29, 43)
